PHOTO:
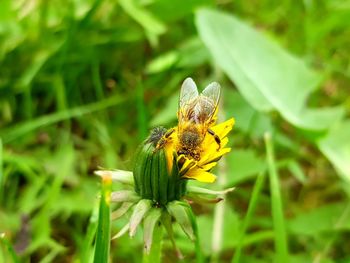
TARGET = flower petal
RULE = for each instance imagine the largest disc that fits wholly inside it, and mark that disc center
(224, 128)
(200, 175)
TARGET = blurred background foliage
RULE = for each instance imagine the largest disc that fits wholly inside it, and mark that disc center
(83, 81)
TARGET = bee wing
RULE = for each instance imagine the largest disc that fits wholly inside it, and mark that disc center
(211, 92)
(188, 95)
(188, 92)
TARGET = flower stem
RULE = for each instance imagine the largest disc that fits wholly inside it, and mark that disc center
(155, 253)
(219, 213)
(251, 209)
(281, 241)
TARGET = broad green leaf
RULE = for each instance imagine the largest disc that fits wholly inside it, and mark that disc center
(265, 74)
(321, 219)
(244, 164)
(336, 147)
(248, 120)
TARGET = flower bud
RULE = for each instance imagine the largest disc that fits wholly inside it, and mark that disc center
(152, 178)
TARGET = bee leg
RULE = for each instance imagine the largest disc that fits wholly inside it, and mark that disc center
(169, 132)
(217, 139)
(162, 140)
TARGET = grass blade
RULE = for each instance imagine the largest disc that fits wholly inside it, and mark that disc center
(1, 170)
(251, 209)
(103, 228)
(281, 245)
(9, 248)
(21, 129)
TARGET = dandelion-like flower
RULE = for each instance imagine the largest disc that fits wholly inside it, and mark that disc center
(165, 162)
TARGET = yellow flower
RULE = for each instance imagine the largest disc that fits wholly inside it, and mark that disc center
(210, 153)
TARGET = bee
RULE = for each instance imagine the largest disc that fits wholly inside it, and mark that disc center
(196, 114)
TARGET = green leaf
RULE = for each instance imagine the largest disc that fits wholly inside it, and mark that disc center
(265, 74)
(163, 62)
(336, 147)
(103, 229)
(321, 219)
(244, 165)
(247, 119)
(146, 19)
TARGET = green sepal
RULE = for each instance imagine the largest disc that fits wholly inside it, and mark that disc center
(141, 158)
(124, 196)
(152, 179)
(147, 175)
(163, 179)
(150, 223)
(168, 225)
(121, 176)
(140, 210)
(155, 174)
(121, 210)
(179, 211)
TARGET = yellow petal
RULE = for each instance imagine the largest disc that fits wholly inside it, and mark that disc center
(187, 163)
(224, 128)
(215, 156)
(224, 142)
(208, 166)
(200, 175)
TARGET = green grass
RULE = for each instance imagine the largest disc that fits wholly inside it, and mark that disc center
(82, 83)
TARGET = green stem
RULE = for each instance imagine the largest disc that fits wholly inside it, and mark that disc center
(199, 255)
(219, 212)
(281, 244)
(251, 209)
(155, 253)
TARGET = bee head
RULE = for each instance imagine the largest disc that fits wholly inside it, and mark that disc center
(156, 134)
